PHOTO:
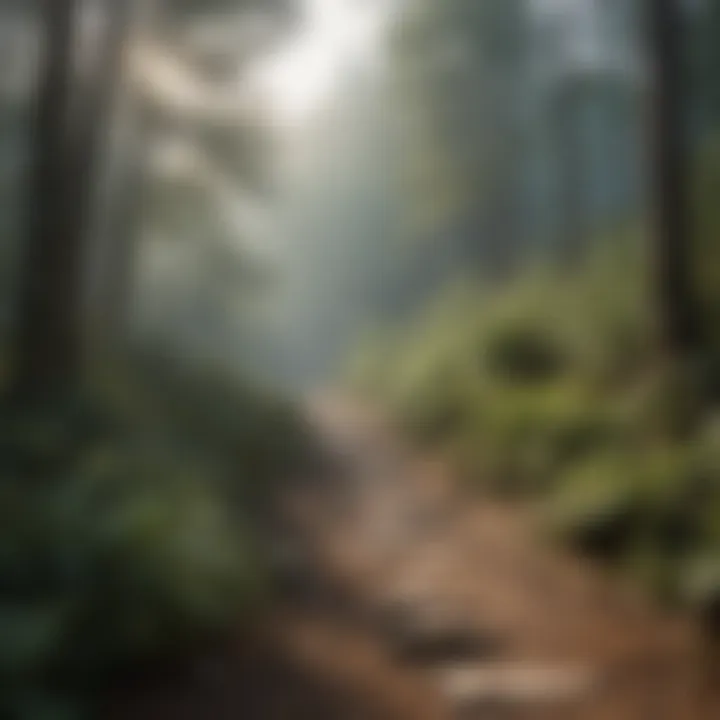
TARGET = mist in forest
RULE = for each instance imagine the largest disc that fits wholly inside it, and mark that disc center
(303, 300)
(290, 177)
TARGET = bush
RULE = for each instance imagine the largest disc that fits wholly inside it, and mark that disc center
(521, 351)
(597, 507)
(125, 532)
(550, 389)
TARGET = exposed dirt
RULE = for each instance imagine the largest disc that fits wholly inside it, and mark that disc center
(405, 599)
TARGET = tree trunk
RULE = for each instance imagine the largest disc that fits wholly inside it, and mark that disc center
(110, 295)
(70, 128)
(119, 216)
(42, 323)
(572, 179)
(674, 293)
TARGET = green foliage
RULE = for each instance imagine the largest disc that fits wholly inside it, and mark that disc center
(597, 507)
(524, 353)
(126, 527)
(549, 389)
(253, 434)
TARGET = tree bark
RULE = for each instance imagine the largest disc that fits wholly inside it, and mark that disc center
(119, 214)
(110, 295)
(677, 310)
(41, 350)
(72, 119)
(572, 178)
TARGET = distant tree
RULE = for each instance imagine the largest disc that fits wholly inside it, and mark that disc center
(121, 196)
(176, 97)
(704, 56)
(574, 98)
(463, 64)
(566, 122)
(203, 148)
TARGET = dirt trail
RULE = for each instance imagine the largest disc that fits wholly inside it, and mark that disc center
(408, 601)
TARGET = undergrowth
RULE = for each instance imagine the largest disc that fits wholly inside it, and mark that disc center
(127, 527)
(549, 389)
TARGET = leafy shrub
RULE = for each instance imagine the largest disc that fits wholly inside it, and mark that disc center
(651, 509)
(522, 351)
(125, 532)
(597, 508)
(550, 388)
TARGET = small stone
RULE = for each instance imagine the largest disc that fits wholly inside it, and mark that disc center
(513, 686)
(432, 635)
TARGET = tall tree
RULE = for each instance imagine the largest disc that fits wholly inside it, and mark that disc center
(677, 310)
(71, 118)
(40, 325)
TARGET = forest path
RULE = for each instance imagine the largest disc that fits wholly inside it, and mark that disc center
(408, 600)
